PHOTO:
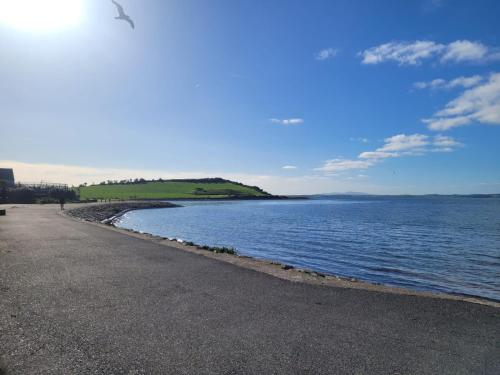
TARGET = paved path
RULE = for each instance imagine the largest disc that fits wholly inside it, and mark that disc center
(77, 298)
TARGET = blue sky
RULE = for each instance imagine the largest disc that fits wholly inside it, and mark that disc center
(381, 97)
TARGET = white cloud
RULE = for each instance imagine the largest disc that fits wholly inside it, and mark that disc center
(446, 123)
(465, 82)
(440, 83)
(443, 143)
(289, 167)
(414, 53)
(446, 142)
(287, 122)
(411, 145)
(326, 54)
(403, 142)
(404, 53)
(377, 155)
(340, 165)
(436, 83)
(465, 50)
(396, 146)
(480, 103)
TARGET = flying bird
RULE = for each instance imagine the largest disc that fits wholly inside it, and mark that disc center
(122, 15)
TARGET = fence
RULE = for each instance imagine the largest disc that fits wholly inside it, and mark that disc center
(43, 185)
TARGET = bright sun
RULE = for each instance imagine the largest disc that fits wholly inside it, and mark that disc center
(40, 15)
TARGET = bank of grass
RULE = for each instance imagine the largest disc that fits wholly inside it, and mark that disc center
(171, 189)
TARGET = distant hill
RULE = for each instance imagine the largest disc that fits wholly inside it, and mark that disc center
(336, 194)
(171, 189)
(361, 195)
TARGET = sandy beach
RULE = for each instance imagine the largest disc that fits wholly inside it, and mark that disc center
(83, 297)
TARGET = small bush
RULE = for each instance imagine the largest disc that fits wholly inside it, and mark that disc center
(218, 250)
(224, 250)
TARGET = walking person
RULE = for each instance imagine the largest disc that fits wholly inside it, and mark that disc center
(61, 202)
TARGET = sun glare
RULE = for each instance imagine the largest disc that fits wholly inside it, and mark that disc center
(40, 15)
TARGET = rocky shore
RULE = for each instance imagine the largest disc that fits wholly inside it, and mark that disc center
(105, 213)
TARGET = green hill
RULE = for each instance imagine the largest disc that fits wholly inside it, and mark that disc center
(171, 189)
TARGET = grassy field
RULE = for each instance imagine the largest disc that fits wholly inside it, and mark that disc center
(170, 190)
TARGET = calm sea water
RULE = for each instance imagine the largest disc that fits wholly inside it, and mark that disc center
(449, 244)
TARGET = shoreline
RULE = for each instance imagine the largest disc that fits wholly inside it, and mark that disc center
(107, 212)
(273, 268)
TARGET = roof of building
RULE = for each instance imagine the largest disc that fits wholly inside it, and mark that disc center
(7, 174)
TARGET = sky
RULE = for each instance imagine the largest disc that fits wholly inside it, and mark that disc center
(298, 97)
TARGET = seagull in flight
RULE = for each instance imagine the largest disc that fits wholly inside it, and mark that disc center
(122, 15)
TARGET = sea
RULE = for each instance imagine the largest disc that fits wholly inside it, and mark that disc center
(445, 244)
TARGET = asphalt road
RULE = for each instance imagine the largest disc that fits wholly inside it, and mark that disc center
(79, 299)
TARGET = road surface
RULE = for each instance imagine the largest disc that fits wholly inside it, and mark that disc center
(77, 298)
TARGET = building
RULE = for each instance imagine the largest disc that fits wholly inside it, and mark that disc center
(7, 176)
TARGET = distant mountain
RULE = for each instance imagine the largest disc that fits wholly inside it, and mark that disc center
(350, 193)
(353, 193)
